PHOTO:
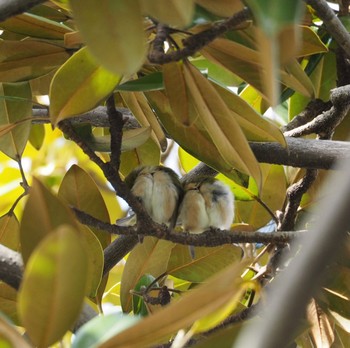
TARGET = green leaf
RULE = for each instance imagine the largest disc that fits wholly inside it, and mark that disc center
(223, 8)
(101, 328)
(53, 287)
(207, 261)
(119, 44)
(43, 213)
(138, 304)
(14, 111)
(32, 25)
(25, 60)
(78, 86)
(151, 82)
(37, 135)
(8, 302)
(151, 256)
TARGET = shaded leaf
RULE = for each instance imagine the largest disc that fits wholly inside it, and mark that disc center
(138, 304)
(37, 135)
(223, 8)
(151, 256)
(37, 26)
(9, 231)
(8, 302)
(151, 82)
(42, 214)
(120, 33)
(177, 13)
(10, 337)
(24, 60)
(18, 112)
(207, 261)
(53, 287)
(78, 86)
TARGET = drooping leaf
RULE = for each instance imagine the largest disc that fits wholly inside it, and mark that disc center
(31, 25)
(138, 105)
(220, 125)
(53, 287)
(151, 256)
(207, 261)
(120, 33)
(37, 135)
(8, 302)
(43, 213)
(24, 60)
(177, 13)
(14, 111)
(205, 299)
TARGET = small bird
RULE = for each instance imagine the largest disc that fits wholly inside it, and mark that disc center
(159, 190)
(207, 203)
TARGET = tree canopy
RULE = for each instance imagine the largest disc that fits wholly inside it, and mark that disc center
(254, 93)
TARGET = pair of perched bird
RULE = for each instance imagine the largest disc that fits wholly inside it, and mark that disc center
(197, 205)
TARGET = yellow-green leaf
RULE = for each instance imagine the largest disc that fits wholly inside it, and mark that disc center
(37, 26)
(205, 299)
(220, 125)
(8, 302)
(9, 231)
(43, 213)
(119, 44)
(138, 105)
(151, 256)
(53, 287)
(177, 13)
(79, 85)
(24, 60)
(207, 261)
(15, 108)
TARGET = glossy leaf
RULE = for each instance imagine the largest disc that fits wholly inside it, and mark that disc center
(36, 26)
(78, 86)
(207, 261)
(138, 105)
(43, 213)
(100, 328)
(138, 304)
(151, 82)
(120, 33)
(14, 111)
(53, 286)
(9, 232)
(177, 13)
(151, 256)
(181, 314)
(220, 125)
(24, 60)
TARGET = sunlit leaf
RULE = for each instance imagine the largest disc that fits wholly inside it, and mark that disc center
(176, 13)
(151, 256)
(53, 287)
(78, 86)
(120, 33)
(14, 111)
(9, 231)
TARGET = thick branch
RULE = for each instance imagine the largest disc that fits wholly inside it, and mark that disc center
(9, 8)
(11, 267)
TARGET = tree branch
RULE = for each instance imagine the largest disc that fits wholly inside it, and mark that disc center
(9, 8)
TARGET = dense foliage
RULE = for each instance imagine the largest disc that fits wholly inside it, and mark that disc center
(89, 90)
